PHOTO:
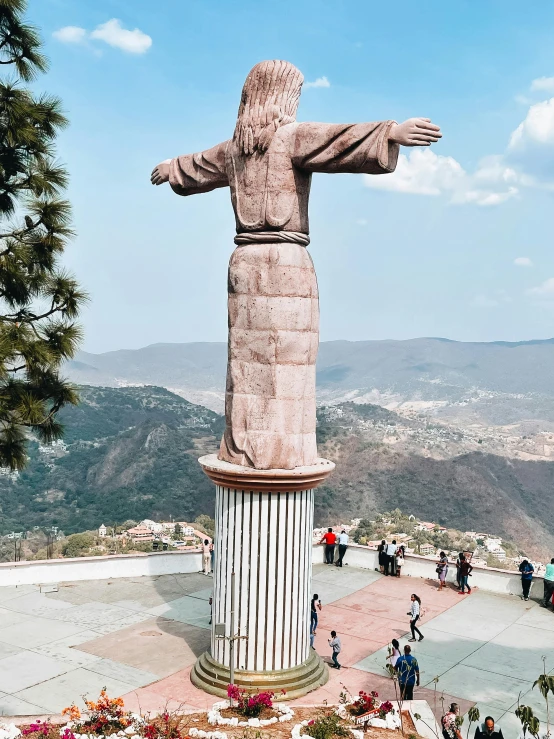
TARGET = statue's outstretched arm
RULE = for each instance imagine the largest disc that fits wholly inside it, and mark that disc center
(415, 132)
(190, 174)
(160, 173)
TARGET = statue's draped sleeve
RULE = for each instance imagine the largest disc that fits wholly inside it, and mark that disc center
(345, 147)
(195, 173)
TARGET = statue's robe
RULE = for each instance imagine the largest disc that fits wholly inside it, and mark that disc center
(273, 305)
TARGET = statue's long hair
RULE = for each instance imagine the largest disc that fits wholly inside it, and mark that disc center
(269, 100)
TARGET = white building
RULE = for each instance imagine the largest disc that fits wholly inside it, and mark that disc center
(427, 549)
(102, 531)
(154, 527)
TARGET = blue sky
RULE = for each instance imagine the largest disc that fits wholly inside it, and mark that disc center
(432, 254)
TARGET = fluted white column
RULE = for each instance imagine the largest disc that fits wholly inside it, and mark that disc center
(266, 539)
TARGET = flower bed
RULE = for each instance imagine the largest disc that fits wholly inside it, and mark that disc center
(249, 709)
(367, 710)
(215, 717)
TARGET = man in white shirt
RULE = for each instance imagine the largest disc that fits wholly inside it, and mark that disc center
(391, 554)
(343, 546)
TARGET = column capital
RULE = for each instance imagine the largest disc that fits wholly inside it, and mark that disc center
(235, 476)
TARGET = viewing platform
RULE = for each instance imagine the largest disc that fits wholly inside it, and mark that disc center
(139, 634)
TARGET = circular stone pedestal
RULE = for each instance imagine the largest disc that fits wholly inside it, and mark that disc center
(263, 544)
(213, 677)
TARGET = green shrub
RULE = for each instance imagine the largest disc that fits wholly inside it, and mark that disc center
(326, 727)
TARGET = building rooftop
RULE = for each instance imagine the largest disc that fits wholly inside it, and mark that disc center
(140, 636)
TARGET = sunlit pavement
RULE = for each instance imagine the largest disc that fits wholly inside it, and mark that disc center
(139, 637)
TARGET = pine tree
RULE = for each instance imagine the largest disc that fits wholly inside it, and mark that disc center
(39, 301)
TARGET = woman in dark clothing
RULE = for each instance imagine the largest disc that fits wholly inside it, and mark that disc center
(526, 569)
(382, 549)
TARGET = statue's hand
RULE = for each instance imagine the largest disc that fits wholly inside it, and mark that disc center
(415, 132)
(160, 173)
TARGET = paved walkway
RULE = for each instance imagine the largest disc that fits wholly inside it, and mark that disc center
(139, 637)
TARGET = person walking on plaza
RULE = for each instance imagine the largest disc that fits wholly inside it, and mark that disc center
(212, 555)
(526, 569)
(399, 560)
(329, 539)
(407, 669)
(442, 570)
(206, 556)
(465, 570)
(334, 643)
(449, 724)
(316, 606)
(487, 730)
(391, 558)
(382, 555)
(415, 616)
(343, 546)
(549, 584)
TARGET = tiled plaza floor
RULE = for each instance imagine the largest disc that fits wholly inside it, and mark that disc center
(139, 637)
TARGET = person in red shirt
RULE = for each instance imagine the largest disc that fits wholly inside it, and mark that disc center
(330, 540)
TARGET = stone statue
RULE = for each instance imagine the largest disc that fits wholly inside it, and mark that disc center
(270, 407)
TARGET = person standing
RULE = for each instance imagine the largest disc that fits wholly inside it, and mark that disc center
(206, 556)
(415, 616)
(549, 584)
(329, 539)
(343, 546)
(449, 723)
(391, 555)
(212, 555)
(526, 569)
(399, 560)
(382, 555)
(458, 562)
(487, 730)
(394, 655)
(465, 570)
(442, 570)
(316, 606)
(334, 643)
(407, 669)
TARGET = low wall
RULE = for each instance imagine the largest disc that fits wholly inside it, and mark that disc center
(99, 568)
(504, 582)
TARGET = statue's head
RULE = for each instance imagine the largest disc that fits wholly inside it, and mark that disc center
(269, 100)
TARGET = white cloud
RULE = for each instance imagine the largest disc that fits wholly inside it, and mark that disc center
(543, 84)
(111, 33)
(319, 82)
(538, 126)
(486, 301)
(523, 100)
(523, 262)
(482, 301)
(71, 35)
(546, 290)
(423, 172)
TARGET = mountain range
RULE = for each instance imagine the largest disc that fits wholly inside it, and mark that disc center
(488, 383)
(131, 453)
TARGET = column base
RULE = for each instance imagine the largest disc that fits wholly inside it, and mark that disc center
(213, 677)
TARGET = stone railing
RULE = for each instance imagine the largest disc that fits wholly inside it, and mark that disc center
(99, 568)
(506, 582)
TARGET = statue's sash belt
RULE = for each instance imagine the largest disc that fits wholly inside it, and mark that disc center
(272, 237)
